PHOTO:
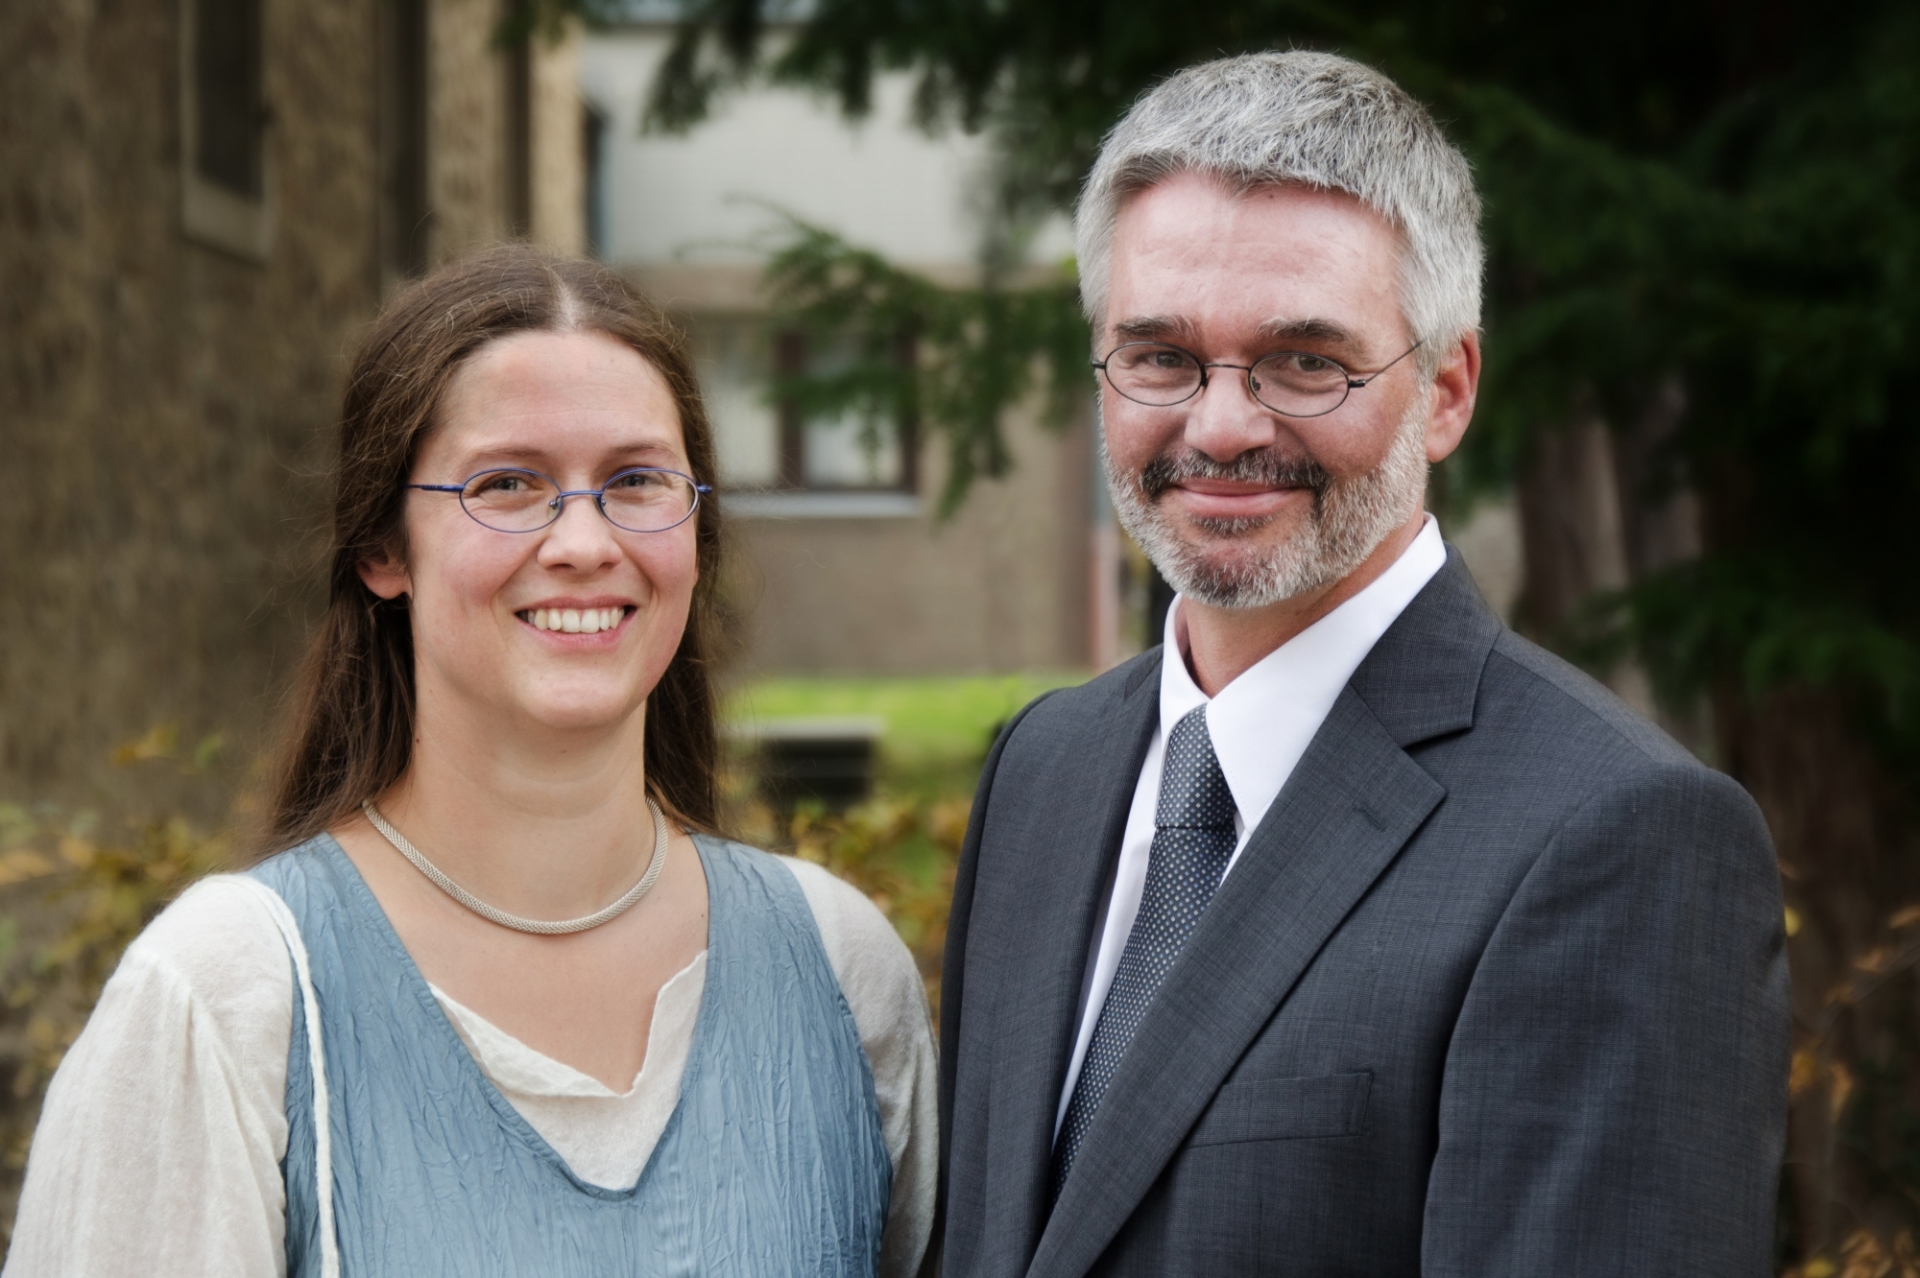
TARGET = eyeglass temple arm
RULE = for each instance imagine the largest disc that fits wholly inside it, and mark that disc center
(1359, 383)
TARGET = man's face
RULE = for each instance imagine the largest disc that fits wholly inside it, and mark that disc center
(1237, 505)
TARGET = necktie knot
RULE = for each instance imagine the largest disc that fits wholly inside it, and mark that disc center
(1193, 789)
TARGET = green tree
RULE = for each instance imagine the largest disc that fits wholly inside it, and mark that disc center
(1704, 233)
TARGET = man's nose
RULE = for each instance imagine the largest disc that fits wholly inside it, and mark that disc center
(1224, 420)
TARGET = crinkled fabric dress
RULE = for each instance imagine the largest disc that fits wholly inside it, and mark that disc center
(772, 1163)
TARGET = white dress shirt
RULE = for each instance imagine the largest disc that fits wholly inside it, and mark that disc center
(1261, 724)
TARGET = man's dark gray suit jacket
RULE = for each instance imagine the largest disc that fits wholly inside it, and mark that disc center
(1497, 987)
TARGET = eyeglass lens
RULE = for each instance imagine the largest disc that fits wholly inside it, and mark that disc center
(1295, 383)
(526, 501)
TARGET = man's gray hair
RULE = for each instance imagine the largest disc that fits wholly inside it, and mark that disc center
(1306, 119)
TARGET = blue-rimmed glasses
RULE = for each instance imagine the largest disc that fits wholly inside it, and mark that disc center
(1291, 383)
(639, 499)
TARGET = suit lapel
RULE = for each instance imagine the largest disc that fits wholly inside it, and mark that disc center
(1058, 877)
(1351, 804)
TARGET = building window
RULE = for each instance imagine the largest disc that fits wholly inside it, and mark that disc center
(841, 453)
(770, 449)
(225, 181)
(405, 215)
(229, 112)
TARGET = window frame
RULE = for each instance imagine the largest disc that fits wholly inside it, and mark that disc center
(211, 213)
(791, 350)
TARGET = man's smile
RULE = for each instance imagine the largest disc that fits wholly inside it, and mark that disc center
(1211, 499)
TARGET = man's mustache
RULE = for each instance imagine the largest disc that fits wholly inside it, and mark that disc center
(1255, 466)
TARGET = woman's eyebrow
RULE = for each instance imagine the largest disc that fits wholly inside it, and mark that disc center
(536, 458)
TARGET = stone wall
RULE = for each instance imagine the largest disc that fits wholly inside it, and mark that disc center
(466, 165)
(559, 156)
(166, 407)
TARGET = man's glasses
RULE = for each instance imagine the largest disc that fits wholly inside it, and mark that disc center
(643, 499)
(1291, 383)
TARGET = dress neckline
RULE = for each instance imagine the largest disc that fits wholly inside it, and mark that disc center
(416, 983)
(534, 1073)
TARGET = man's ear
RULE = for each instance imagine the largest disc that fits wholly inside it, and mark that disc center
(1454, 390)
(385, 577)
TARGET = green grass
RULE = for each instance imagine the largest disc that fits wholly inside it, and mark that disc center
(938, 728)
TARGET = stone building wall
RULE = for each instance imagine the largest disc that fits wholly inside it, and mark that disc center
(466, 166)
(166, 407)
(559, 169)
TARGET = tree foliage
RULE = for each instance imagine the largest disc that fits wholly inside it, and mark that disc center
(1721, 193)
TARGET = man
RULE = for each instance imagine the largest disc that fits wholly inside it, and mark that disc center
(1346, 932)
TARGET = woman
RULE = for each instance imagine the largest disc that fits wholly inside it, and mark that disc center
(504, 1004)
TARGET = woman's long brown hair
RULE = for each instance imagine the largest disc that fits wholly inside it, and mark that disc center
(350, 728)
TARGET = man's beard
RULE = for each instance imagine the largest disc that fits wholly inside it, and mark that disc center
(1349, 519)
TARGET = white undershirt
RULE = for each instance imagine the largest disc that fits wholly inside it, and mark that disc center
(159, 1146)
(1261, 724)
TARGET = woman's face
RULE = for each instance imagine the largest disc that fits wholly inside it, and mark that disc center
(577, 407)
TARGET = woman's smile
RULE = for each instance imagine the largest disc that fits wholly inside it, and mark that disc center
(569, 619)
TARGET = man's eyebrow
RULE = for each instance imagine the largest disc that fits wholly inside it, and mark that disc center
(1154, 327)
(1282, 332)
(1310, 330)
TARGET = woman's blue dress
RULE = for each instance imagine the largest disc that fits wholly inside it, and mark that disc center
(772, 1163)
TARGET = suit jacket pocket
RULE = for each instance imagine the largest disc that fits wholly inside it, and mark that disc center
(1285, 1109)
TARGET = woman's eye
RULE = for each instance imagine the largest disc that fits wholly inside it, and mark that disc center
(503, 484)
(635, 479)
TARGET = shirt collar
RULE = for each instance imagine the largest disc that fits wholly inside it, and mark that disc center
(1263, 721)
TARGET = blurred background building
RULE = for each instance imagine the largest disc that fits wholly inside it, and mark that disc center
(842, 561)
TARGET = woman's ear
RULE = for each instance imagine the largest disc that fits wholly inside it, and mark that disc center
(387, 578)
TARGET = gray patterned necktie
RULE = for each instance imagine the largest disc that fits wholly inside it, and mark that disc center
(1193, 839)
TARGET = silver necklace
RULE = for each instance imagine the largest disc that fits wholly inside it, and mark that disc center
(539, 927)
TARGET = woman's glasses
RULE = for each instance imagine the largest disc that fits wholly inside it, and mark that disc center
(642, 499)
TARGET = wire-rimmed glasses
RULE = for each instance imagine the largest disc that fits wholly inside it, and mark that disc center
(638, 499)
(1291, 383)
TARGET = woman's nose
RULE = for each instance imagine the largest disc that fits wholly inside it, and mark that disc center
(581, 537)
